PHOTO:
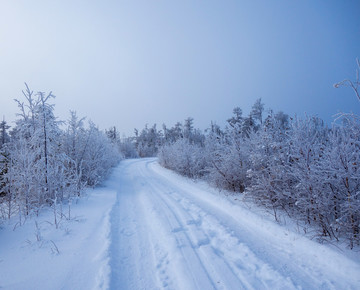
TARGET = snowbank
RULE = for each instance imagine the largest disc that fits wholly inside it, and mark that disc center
(75, 256)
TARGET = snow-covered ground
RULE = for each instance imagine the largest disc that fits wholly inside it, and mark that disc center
(75, 256)
(148, 228)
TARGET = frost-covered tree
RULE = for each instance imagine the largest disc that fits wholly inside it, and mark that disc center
(46, 166)
(308, 139)
(127, 147)
(183, 149)
(228, 155)
(237, 119)
(100, 155)
(296, 166)
(4, 135)
(75, 143)
(113, 135)
(341, 160)
(186, 131)
(38, 163)
(183, 157)
(270, 182)
(148, 141)
(257, 111)
(25, 153)
(4, 156)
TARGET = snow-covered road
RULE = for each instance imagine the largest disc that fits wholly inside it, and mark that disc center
(148, 228)
(169, 232)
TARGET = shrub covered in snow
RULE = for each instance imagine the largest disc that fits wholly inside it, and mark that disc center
(43, 165)
(299, 166)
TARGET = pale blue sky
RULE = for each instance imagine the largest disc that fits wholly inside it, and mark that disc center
(127, 63)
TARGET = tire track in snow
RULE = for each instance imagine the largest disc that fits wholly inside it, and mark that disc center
(297, 270)
(220, 252)
(131, 257)
(251, 270)
(217, 270)
(193, 268)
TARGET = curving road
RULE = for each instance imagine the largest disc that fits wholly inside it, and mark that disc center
(169, 232)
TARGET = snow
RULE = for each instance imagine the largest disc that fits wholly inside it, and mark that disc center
(148, 228)
(71, 257)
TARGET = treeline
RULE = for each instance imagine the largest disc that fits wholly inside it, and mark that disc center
(298, 166)
(45, 162)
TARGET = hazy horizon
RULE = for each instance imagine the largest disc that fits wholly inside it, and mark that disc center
(126, 64)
